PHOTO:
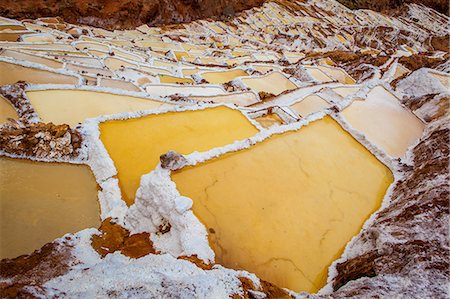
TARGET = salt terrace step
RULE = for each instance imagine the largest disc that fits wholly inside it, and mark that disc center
(286, 207)
(135, 145)
(43, 201)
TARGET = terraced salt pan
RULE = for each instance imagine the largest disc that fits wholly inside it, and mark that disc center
(89, 70)
(163, 90)
(41, 46)
(274, 83)
(242, 99)
(265, 68)
(10, 73)
(222, 77)
(400, 71)
(116, 63)
(318, 74)
(442, 77)
(38, 38)
(136, 144)
(6, 111)
(12, 35)
(120, 84)
(175, 80)
(269, 120)
(91, 46)
(337, 74)
(286, 207)
(384, 121)
(32, 58)
(43, 201)
(309, 105)
(12, 27)
(345, 91)
(66, 106)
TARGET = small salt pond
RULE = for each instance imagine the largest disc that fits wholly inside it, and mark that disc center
(274, 83)
(269, 120)
(175, 80)
(384, 121)
(222, 77)
(10, 73)
(6, 111)
(309, 105)
(285, 208)
(43, 201)
(136, 144)
(242, 99)
(65, 106)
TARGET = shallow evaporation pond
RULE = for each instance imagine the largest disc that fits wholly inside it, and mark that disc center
(135, 145)
(274, 83)
(6, 111)
(74, 106)
(240, 99)
(384, 121)
(309, 105)
(286, 207)
(43, 201)
(337, 74)
(269, 120)
(11, 73)
(175, 80)
(223, 77)
(345, 91)
(318, 74)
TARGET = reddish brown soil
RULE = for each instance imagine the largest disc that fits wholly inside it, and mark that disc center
(271, 291)
(124, 14)
(114, 238)
(27, 273)
(387, 5)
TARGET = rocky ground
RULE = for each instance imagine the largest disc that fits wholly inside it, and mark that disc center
(389, 6)
(124, 14)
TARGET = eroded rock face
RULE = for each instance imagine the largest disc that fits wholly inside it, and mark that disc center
(40, 140)
(27, 273)
(388, 5)
(124, 14)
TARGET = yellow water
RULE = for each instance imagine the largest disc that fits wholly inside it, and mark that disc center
(175, 80)
(43, 201)
(115, 63)
(222, 77)
(74, 106)
(32, 58)
(265, 68)
(125, 85)
(286, 207)
(345, 91)
(338, 74)
(6, 111)
(310, 105)
(11, 73)
(271, 119)
(318, 75)
(384, 121)
(274, 83)
(242, 99)
(39, 38)
(135, 145)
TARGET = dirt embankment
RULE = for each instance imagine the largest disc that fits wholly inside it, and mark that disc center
(441, 6)
(124, 14)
